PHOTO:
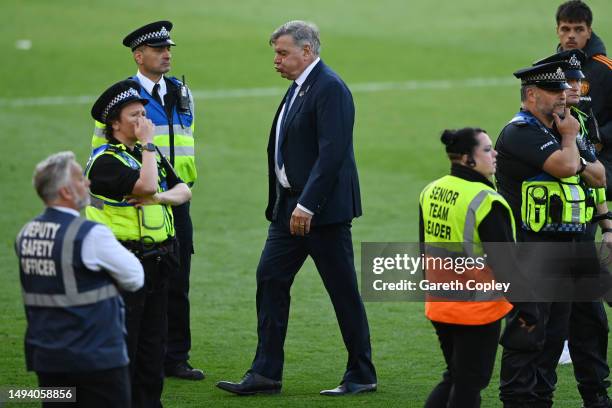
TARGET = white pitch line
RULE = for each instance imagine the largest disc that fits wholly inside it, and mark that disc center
(364, 87)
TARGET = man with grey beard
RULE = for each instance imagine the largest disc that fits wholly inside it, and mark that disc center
(71, 271)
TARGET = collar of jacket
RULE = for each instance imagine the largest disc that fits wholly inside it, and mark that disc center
(469, 174)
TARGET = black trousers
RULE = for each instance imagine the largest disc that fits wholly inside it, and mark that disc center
(146, 322)
(179, 329)
(331, 248)
(529, 360)
(96, 389)
(588, 345)
(469, 352)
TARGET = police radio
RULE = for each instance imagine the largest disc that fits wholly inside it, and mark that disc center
(184, 105)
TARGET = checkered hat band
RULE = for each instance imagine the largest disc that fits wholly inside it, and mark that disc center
(162, 34)
(119, 98)
(558, 76)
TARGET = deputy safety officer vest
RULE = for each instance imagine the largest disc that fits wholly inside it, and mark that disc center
(173, 135)
(453, 209)
(549, 204)
(148, 224)
(75, 316)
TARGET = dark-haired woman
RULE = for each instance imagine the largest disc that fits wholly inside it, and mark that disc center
(132, 193)
(458, 212)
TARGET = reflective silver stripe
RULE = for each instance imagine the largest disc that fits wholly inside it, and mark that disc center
(80, 299)
(72, 297)
(439, 252)
(575, 193)
(164, 130)
(70, 285)
(470, 221)
(99, 132)
(178, 151)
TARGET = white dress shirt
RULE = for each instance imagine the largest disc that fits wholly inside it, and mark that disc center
(148, 85)
(101, 251)
(280, 172)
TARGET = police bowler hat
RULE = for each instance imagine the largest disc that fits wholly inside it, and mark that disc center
(115, 97)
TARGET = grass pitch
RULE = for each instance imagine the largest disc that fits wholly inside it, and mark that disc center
(76, 53)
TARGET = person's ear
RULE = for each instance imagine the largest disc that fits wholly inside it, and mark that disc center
(531, 93)
(65, 193)
(138, 56)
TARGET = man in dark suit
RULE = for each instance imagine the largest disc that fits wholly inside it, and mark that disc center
(313, 197)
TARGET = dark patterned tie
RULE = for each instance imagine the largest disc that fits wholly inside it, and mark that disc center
(281, 133)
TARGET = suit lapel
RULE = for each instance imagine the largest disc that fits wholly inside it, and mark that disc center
(302, 95)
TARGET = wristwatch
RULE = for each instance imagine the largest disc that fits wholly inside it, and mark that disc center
(583, 164)
(149, 147)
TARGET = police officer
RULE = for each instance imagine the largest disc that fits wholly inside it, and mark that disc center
(588, 329)
(468, 329)
(170, 107)
(574, 30)
(133, 193)
(539, 169)
(70, 269)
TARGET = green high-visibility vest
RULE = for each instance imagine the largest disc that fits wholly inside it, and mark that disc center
(184, 147)
(453, 208)
(555, 205)
(598, 193)
(148, 224)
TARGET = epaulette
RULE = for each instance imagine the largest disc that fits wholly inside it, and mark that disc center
(603, 59)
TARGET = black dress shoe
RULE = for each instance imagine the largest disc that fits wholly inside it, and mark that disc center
(349, 388)
(251, 384)
(185, 372)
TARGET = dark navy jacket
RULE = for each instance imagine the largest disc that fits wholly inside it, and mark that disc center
(75, 316)
(318, 149)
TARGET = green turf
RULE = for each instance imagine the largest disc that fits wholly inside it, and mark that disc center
(223, 45)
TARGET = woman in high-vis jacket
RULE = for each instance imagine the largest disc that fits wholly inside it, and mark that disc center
(458, 213)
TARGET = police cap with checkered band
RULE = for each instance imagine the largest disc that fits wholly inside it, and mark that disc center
(575, 58)
(115, 97)
(155, 34)
(549, 76)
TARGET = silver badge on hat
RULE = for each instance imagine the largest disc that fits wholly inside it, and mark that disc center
(574, 61)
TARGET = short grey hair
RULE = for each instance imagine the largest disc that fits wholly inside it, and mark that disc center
(53, 173)
(302, 32)
(524, 89)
